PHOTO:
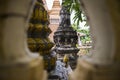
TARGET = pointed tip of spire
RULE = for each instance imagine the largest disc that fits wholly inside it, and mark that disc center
(56, 3)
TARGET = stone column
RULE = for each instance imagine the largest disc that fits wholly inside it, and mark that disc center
(103, 16)
(102, 31)
(16, 62)
(114, 8)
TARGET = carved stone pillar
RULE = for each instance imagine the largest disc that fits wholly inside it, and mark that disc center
(16, 62)
(103, 16)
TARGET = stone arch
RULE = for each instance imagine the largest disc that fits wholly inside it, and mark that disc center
(103, 16)
(16, 62)
(102, 30)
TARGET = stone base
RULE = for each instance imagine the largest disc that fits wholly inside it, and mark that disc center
(29, 70)
(88, 71)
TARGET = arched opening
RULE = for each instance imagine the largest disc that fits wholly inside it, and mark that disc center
(17, 63)
(99, 58)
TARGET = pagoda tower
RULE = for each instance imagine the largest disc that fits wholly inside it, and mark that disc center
(54, 17)
(66, 38)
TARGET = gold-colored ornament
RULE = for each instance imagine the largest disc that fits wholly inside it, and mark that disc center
(38, 34)
(31, 44)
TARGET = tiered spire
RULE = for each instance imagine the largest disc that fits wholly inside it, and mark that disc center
(54, 17)
(65, 37)
(38, 32)
(54, 13)
(55, 7)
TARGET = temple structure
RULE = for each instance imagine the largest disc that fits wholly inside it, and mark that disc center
(65, 37)
(18, 63)
(54, 17)
(38, 32)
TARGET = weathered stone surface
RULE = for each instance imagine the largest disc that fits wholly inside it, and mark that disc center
(16, 61)
(103, 16)
(88, 71)
(65, 37)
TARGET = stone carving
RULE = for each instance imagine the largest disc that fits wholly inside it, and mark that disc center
(66, 38)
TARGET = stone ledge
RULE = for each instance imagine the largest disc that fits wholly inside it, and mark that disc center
(31, 70)
(88, 71)
(15, 6)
